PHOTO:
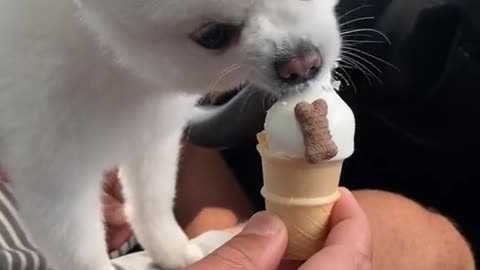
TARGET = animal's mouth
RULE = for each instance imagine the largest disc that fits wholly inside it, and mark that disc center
(219, 98)
(238, 113)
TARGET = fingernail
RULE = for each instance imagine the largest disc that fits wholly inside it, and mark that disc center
(345, 191)
(263, 223)
(348, 196)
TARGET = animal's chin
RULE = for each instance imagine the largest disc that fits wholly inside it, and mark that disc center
(276, 90)
(275, 87)
(280, 90)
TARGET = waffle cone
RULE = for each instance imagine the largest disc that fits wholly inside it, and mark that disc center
(302, 195)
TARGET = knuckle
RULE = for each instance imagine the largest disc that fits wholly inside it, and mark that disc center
(362, 261)
(234, 257)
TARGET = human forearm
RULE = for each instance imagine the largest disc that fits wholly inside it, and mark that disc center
(407, 236)
(209, 197)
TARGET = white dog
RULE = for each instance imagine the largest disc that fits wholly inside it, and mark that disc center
(87, 85)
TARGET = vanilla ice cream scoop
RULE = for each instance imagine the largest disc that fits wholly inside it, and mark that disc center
(284, 133)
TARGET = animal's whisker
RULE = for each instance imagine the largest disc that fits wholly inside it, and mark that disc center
(356, 20)
(361, 65)
(354, 42)
(222, 75)
(347, 65)
(365, 68)
(372, 56)
(356, 35)
(348, 77)
(226, 70)
(339, 76)
(363, 59)
(358, 67)
(366, 30)
(353, 10)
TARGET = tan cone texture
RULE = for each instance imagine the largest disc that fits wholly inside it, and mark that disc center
(302, 195)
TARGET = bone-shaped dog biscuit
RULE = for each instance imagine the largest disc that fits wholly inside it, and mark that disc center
(313, 121)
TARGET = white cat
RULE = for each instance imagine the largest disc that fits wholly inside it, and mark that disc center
(87, 85)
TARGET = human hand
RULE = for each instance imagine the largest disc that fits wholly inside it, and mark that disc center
(259, 245)
(348, 245)
(262, 243)
(118, 228)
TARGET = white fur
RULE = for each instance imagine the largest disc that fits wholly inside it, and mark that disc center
(90, 85)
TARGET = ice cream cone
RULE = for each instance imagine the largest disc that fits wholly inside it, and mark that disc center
(302, 195)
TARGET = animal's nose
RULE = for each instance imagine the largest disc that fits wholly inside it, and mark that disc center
(299, 68)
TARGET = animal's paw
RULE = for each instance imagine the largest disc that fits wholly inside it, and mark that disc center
(108, 267)
(191, 254)
(211, 240)
(193, 251)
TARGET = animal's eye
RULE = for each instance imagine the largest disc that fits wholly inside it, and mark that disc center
(215, 36)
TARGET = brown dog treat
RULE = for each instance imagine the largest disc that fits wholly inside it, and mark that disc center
(313, 121)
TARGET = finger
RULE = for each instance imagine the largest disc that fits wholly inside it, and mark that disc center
(349, 244)
(113, 211)
(350, 225)
(260, 245)
(337, 258)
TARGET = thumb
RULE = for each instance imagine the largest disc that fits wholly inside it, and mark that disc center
(260, 245)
